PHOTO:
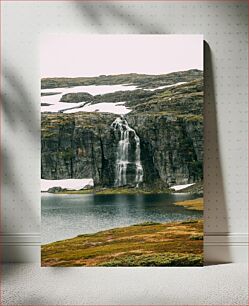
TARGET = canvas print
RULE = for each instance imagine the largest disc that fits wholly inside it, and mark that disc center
(122, 150)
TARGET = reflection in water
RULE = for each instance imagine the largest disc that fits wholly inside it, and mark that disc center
(66, 216)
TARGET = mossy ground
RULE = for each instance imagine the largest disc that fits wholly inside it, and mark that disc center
(140, 80)
(148, 244)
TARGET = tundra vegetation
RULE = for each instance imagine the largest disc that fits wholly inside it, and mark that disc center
(148, 244)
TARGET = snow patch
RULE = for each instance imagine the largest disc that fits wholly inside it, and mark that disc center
(60, 106)
(57, 106)
(70, 184)
(104, 107)
(91, 89)
(180, 187)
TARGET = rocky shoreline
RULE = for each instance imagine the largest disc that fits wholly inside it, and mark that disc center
(121, 190)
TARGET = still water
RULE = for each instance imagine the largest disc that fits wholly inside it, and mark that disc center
(66, 216)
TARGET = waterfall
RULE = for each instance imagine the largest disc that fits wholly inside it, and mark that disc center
(124, 158)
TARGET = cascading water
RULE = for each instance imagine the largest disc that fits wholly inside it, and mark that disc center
(124, 158)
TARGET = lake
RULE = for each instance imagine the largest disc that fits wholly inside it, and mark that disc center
(66, 216)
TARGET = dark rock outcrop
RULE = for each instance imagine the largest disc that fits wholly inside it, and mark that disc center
(55, 189)
(76, 97)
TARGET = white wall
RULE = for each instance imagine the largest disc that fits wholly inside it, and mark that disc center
(224, 25)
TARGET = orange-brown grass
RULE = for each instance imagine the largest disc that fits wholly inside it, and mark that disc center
(196, 204)
(151, 244)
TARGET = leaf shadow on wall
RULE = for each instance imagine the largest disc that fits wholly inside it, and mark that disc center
(215, 210)
(21, 116)
(20, 119)
(101, 15)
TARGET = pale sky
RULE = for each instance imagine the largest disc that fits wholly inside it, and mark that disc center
(93, 55)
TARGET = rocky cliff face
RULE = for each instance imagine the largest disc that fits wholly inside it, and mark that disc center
(169, 125)
(171, 148)
(83, 145)
(78, 145)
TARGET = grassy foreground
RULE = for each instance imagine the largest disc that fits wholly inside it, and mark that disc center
(196, 204)
(147, 244)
